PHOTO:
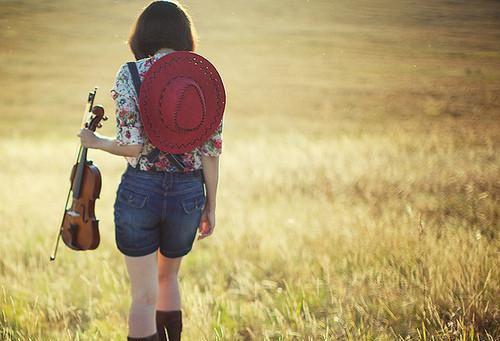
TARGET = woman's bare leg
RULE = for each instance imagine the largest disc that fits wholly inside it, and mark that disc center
(168, 296)
(143, 272)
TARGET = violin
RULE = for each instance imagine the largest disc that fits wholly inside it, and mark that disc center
(80, 227)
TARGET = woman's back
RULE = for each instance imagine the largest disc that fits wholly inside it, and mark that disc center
(130, 131)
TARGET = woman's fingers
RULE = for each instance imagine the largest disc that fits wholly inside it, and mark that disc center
(205, 227)
(204, 235)
(87, 138)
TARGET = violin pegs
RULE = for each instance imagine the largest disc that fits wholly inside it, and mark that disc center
(99, 125)
(86, 125)
(105, 118)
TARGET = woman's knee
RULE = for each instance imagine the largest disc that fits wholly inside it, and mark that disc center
(166, 277)
(145, 295)
(168, 269)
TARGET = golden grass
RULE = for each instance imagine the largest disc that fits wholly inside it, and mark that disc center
(359, 182)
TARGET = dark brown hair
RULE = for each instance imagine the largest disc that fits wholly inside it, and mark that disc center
(163, 24)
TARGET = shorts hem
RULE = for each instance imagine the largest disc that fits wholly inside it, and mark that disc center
(175, 254)
(137, 252)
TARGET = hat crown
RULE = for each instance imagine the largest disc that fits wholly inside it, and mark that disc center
(182, 104)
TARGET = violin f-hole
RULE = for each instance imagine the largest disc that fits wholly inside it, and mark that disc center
(83, 210)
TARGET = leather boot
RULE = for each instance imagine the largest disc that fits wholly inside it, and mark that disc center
(171, 321)
(153, 337)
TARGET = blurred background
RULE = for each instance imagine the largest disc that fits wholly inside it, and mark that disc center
(359, 186)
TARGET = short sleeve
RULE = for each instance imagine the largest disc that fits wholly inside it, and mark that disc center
(128, 124)
(213, 146)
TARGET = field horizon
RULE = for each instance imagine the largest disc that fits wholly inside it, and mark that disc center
(359, 178)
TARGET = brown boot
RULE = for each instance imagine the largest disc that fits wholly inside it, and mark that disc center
(153, 337)
(171, 321)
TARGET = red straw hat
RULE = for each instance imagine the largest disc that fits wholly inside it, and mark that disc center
(182, 100)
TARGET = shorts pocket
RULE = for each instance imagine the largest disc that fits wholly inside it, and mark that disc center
(192, 204)
(131, 198)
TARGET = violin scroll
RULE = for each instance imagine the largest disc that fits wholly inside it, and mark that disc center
(96, 118)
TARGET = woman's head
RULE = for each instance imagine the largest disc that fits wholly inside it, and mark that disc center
(163, 24)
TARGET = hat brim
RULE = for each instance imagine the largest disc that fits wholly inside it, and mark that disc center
(180, 64)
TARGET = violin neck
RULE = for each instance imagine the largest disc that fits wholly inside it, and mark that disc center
(83, 157)
(77, 182)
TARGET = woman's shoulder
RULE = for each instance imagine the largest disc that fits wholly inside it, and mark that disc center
(143, 63)
(123, 75)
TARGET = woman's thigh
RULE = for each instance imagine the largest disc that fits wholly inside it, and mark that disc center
(168, 268)
(143, 274)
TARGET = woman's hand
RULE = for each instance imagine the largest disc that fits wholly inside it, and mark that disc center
(207, 222)
(88, 138)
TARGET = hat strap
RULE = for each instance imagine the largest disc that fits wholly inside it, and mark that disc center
(175, 159)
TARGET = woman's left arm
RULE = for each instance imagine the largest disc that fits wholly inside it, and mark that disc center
(90, 139)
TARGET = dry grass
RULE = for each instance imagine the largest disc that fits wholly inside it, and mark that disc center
(359, 190)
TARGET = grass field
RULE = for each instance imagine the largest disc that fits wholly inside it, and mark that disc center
(359, 187)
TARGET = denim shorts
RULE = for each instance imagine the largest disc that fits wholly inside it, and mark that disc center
(158, 210)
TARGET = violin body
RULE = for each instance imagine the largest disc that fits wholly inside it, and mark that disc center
(80, 228)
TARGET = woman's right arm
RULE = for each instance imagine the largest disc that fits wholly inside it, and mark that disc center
(210, 152)
(211, 175)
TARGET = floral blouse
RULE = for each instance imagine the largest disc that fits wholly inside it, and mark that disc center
(129, 128)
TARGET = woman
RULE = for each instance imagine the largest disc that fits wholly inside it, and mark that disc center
(158, 208)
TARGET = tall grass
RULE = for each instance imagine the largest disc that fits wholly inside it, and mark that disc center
(359, 184)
